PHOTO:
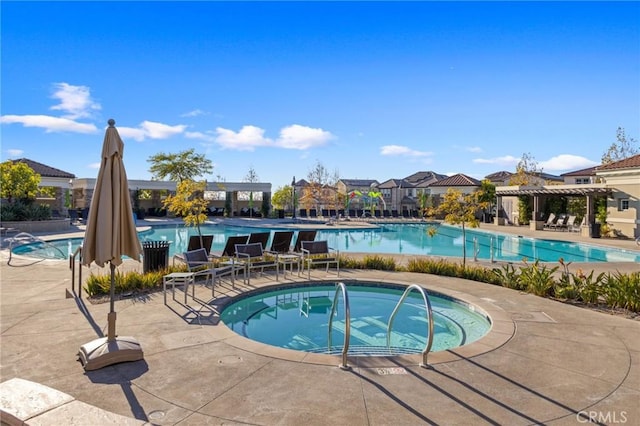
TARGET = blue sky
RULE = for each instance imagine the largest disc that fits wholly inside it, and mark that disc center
(374, 90)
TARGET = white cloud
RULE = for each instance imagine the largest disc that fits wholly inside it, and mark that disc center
(15, 152)
(302, 137)
(94, 165)
(474, 149)
(200, 136)
(74, 100)
(194, 113)
(151, 130)
(50, 124)
(155, 130)
(507, 160)
(247, 139)
(131, 133)
(567, 162)
(403, 151)
(291, 137)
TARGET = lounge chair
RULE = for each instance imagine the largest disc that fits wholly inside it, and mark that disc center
(281, 242)
(303, 235)
(198, 263)
(386, 214)
(313, 213)
(324, 213)
(319, 253)
(259, 237)
(550, 221)
(229, 250)
(194, 243)
(560, 223)
(302, 213)
(252, 256)
(569, 224)
(394, 213)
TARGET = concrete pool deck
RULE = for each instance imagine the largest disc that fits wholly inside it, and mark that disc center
(545, 362)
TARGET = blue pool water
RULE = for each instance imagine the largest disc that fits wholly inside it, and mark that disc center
(298, 318)
(408, 238)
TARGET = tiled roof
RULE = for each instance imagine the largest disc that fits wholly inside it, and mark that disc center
(590, 171)
(501, 175)
(44, 170)
(359, 182)
(458, 180)
(627, 163)
(421, 177)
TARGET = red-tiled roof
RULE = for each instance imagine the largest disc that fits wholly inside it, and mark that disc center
(627, 163)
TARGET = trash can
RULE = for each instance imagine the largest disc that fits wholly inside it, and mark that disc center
(595, 230)
(155, 255)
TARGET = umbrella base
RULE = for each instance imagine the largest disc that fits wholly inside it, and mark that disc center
(102, 352)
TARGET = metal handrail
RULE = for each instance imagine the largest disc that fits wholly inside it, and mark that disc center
(427, 303)
(347, 323)
(19, 238)
(72, 266)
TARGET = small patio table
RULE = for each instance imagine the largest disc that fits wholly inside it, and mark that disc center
(185, 279)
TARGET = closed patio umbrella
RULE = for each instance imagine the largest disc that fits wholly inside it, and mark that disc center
(110, 234)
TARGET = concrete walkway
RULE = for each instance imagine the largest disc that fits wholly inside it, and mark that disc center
(544, 362)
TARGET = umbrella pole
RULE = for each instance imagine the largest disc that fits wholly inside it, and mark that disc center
(111, 317)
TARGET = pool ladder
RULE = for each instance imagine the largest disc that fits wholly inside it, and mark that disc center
(340, 287)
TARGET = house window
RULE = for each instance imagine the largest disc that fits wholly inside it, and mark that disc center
(582, 181)
(623, 204)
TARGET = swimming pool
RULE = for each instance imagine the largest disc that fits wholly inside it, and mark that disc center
(405, 238)
(297, 318)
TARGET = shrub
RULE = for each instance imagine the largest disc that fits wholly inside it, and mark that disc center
(508, 276)
(622, 291)
(128, 282)
(379, 263)
(538, 279)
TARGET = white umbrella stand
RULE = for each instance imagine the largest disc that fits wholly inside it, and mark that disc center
(110, 234)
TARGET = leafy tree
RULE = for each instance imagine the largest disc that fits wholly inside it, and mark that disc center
(526, 169)
(425, 202)
(319, 178)
(189, 203)
(251, 176)
(620, 149)
(19, 181)
(460, 210)
(487, 193)
(283, 197)
(185, 165)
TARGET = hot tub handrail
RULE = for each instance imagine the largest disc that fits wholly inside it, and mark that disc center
(72, 266)
(427, 303)
(347, 322)
(27, 238)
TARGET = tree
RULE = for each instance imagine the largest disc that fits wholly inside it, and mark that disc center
(461, 210)
(251, 176)
(526, 169)
(487, 193)
(318, 178)
(283, 197)
(185, 165)
(189, 203)
(19, 181)
(622, 148)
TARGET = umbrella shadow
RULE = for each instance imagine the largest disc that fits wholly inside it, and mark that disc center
(122, 374)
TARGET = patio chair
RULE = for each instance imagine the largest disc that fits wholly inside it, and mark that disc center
(252, 256)
(303, 235)
(198, 263)
(259, 237)
(281, 242)
(319, 253)
(229, 250)
(302, 213)
(313, 213)
(194, 244)
(560, 223)
(550, 221)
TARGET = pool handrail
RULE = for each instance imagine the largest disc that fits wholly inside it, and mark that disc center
(427, 303)
(347, 322)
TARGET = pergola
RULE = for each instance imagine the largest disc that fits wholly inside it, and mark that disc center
(540, 193)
